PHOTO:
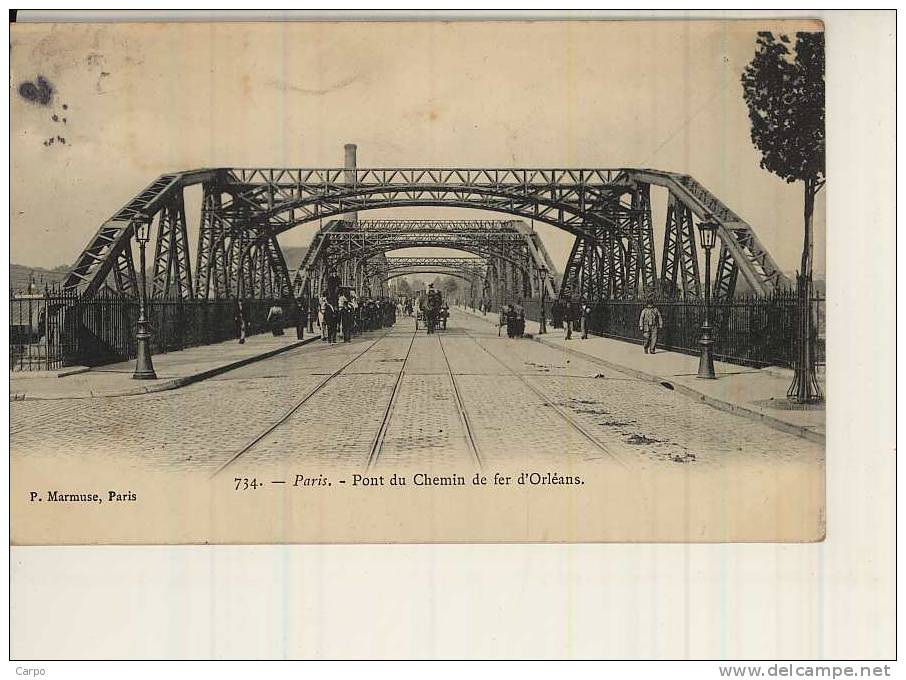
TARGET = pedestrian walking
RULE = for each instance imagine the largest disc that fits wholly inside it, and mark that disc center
(650, 321)
(239, 318)
(302, 319)
(331, 321)
(519, 313)
(502, 321)
(311, 309)
(557, 314)
(275, 319)
(569, 317)
(322, 323)
(585, 311)
(346, 318)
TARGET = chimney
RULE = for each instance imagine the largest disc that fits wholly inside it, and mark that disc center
(349, 164)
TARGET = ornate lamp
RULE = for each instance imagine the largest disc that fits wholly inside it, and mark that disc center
(707, 230)
(542, 275)
(144, 368)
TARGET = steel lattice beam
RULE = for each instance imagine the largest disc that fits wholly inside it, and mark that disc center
(172, 272)
(342, 242)
(245, 207)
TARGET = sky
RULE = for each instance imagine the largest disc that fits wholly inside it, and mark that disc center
(141, 100)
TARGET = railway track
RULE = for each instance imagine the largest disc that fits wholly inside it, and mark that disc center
(563, 413)
(378, 442)
(460, 407)
(301, 402)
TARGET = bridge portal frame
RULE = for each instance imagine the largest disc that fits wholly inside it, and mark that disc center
(244, 210)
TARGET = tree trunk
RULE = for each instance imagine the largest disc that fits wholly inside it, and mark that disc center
(808, 245)
(804, 388)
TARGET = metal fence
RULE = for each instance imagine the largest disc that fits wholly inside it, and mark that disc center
(751, 331)
(55, 329)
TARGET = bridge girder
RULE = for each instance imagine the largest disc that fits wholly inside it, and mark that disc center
(468, 265)
(509, 246)
(244, 210)
(471, 270)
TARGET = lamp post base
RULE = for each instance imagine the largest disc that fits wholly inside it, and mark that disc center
(144, 367)
(706, 359)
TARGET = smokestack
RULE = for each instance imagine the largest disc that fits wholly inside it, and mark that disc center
(350, 166)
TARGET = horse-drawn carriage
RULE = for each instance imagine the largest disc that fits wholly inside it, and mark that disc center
(431, 310)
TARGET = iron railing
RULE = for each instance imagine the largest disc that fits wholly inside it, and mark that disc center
(751, 331)
(59, 328)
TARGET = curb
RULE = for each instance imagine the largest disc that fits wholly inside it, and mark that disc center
(720, 404)
(175, 383)
(56, 373)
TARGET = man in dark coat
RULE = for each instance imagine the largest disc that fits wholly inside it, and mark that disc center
(302, 318)
(519, 311)
(570, 315)
(239, 318)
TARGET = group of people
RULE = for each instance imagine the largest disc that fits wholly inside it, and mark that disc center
(513, 317)
(350, 315)
(573, 315)
(346, 315)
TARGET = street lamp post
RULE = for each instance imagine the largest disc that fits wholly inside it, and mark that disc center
(542, 275)
(144, 368)
(707, 229)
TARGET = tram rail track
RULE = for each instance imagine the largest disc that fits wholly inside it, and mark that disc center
(461, 408)
(563, 413)
(378, 442)
(299, 404)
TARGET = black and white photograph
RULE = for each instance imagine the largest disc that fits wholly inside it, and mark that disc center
(391, 284)
(315, 297)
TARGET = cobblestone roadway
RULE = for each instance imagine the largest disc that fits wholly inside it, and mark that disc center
(202, 426)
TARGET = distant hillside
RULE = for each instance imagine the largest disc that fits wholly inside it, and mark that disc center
(21, 275)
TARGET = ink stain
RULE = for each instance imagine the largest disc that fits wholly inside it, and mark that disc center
(55, 118)
(65, 106)
(38, 92)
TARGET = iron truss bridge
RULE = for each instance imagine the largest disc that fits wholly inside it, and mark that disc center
(470, 269)
(516, 263)
(244, 210)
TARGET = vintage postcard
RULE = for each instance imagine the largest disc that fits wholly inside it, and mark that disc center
(488, 281)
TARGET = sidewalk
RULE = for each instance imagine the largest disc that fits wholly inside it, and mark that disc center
(174, 369)
(757, 394)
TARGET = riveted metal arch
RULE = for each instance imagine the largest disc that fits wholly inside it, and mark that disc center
(102, 253)
(563, 197)
(124, 274)
(580, 201)
(644, 273)
(172, 272)
(361, 240)
(745, 251)
(725, 276)
(212, 268)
